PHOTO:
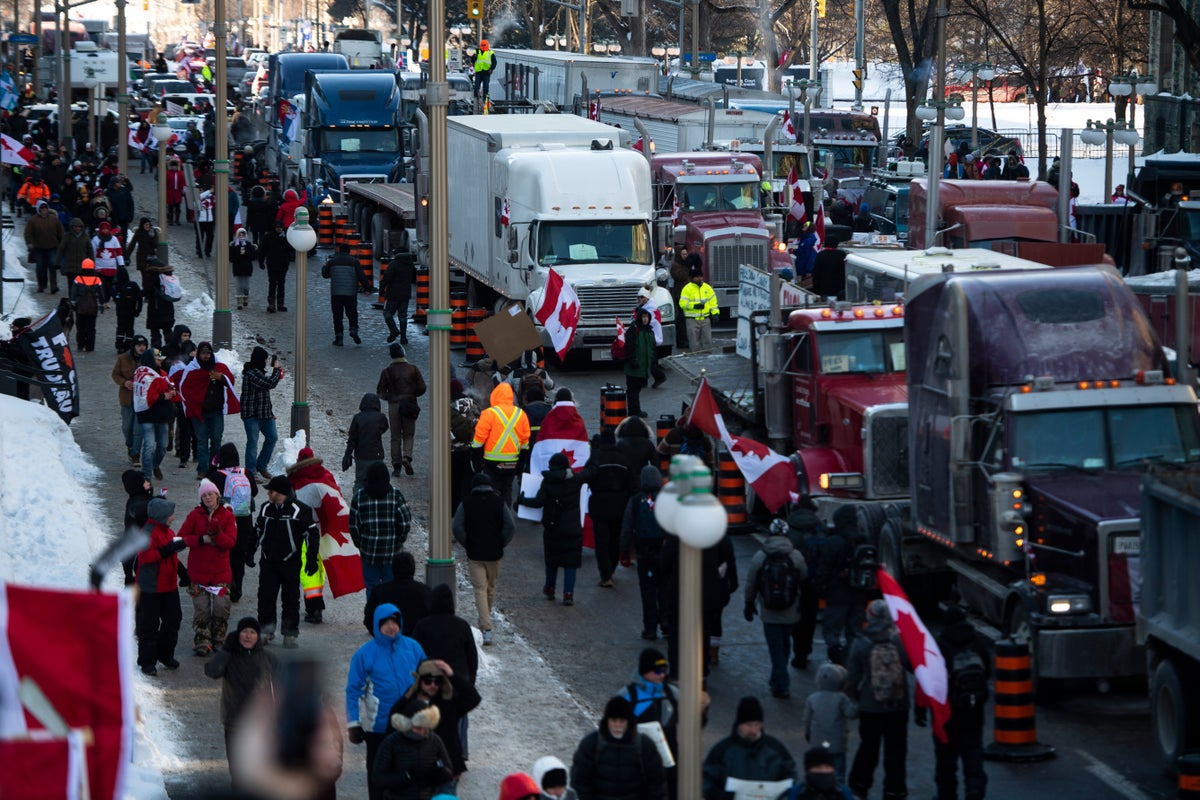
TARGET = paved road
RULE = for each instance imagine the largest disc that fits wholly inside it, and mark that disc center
(1103, 743)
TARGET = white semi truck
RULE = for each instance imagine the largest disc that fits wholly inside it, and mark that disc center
(531, 193)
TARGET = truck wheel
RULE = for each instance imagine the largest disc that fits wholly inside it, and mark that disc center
(1169, 711)
(364, 221)
(870, 518)
(890, 555)
(379, 235)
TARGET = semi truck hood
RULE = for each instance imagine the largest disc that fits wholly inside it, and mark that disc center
(707, 223)
(860, 392)
(360, 163)
(1109, 495)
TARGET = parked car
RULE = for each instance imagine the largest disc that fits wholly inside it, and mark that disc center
(179, 125)
(991, 143)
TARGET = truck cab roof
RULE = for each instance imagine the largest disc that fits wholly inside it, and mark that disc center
(534, 131)
(711, 167)
(360, 97)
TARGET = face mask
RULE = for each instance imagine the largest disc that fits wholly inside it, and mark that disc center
(822, 781)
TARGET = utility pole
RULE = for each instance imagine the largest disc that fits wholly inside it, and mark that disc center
(64, 86)
(860, 58)
(695, 38)
(123, 96)
(814, 62)
(937, 136)
(222, 327)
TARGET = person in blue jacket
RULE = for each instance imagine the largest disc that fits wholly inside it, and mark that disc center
(806, 252)
(381, 671)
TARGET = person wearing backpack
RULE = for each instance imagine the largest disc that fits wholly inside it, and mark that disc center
(88, 293)
(642, 537)
(209, 532)
(878, 682)
(807, 534)
(610, 479)
(238, 490)
(773, 591)
(968, 667)
(845, 603)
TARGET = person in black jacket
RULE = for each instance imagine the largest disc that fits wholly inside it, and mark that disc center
(412, 762)
(396, 288)
(276, 255)
(243, 666)
(483, 525)
(616, 762)
(242, 255)
(364, 442)
(611, 480)
(642, 536)
(964, 730)
(403, 591)
(845, 606)
(562, 533)
(447, 637)
(746, 753)
(437, 684)
(139, 489)
(636, 438)
(807, 534)
(228, 459)
(261, 209)
(282, 525)
(345, 276)
(127, 298)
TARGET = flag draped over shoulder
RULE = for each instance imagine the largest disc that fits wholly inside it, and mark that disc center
(193, 384)
(316, 487)
(929, 666)
(771, 474)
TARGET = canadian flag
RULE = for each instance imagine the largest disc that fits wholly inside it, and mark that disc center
(563, 431)
(772, 475)
(675, 209)
(559, 313)
(316, 487)
(594, 110)
(13, 152)
(504, 210)
(619, 341)
(933, 680)
(796, 210)
(138, 144)
(56, 689)
(819, 228)
(789, 127)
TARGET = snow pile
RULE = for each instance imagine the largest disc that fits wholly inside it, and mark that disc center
(202, 306)
(287, 452)
(1162, 282)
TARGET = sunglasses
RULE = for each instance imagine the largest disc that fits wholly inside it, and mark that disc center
(431, 679)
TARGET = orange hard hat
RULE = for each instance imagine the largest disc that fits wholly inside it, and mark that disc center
(87, 263)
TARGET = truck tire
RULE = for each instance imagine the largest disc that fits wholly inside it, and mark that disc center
(364, 221)
(870, 517)
(1169, 711)
(379, 235)
(891, 536)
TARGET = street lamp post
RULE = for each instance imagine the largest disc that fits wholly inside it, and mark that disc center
(91, 84)
(162, 132)
(1106, 133)
(686, 508)
(980, 71)
(222, 327)
(122, 96)
(302, 238)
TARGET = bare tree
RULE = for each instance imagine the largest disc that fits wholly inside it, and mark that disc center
(1187, 28)
(914, 31)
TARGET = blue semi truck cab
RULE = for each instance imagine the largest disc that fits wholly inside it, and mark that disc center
(351, 131)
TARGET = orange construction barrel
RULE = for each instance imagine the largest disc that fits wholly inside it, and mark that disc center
(324, 225)
(458, 320)
(1188, 766)
(341, 229)
(731, 489)
(614, 405)
(1015, 736)
(662, 427)
(475, 349)
(362, 251)
(422, 296)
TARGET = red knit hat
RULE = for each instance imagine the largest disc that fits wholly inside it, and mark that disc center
(305, 453)
(518, 786)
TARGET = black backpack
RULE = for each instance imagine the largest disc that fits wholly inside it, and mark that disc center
(968, 680)
(864, 566)
(778, 582)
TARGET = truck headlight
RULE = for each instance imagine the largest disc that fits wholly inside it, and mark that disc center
(667, 311)
(1069, 603)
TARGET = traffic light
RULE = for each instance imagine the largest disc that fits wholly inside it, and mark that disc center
(821, 9)
(475, 9)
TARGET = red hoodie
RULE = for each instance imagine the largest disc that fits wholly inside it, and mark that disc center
(155, 573)
(287, 209)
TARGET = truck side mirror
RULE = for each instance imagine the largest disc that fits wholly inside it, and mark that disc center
(665, 232)
(680, 234)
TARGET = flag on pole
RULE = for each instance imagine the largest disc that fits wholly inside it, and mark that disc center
(819, 228)
(316, 487)
(655, 318)
(618, 345)
(559, 313)
(772, 475)
(796, 209)
(8, 91)
(789, 127)
(142, 144)
(929, 666)
(13, 152)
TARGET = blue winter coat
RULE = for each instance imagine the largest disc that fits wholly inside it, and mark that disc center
(381, 671)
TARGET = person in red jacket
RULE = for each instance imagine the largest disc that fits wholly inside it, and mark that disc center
(176, 184)
(209, 532)
(287, 209)
(158, 611)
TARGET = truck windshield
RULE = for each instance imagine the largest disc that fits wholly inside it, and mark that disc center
(717, 196)
(360, 140)
(846, 157)
(1104, 438)
(583, 241)
(861, 351)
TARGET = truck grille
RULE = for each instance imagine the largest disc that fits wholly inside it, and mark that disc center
(603, 305)
(886, 456)
(725, 255)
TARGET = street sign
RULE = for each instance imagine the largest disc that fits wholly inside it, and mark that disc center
(22, 38)
(704, 57)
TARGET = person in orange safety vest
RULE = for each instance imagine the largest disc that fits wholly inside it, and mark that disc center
(501, 434)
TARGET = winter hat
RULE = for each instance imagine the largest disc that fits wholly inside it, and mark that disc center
(564, 395)
(878, 609)
(396, 350)
(160, 510)
(748, 710)
(87, 263)
(205, 487)
(817, 757)
(415, 714)
(456, 389)
(618, 708)
(134, 482)
(306, 453)
(559, 461)
(280, 484)
(104, 226)
(650, 660)
(248, 622)
(519, 786)
(258, 357)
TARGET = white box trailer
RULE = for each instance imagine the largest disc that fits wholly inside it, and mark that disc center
(678, 127)
(531, 193)
(560, 75)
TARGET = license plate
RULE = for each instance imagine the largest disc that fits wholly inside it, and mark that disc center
(602, 355)
(1127, 545)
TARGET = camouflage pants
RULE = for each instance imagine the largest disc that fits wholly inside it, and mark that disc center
(210, 614)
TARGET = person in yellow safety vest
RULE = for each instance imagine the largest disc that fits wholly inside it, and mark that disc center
(501, 433)
(313, 587)
(699, 304)
(485, 63)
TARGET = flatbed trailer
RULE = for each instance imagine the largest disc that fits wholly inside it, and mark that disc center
(379, 211)
(729, 377)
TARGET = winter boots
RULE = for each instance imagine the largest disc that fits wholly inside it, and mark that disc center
(243, 300)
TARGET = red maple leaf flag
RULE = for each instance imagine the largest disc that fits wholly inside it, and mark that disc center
(789, 127)
(13, 152)
(796, 210)
(819, 228)
(316, 487)
(771, 474)
(504, 215)
(559, 313)
(933, 680)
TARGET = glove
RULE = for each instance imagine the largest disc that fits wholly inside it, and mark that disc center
(231, 643)
(921, 717)
(748, 613)
(355, 734)
(185, 580)
(626, 560)
(311, 567)
(250, 559)
(171, 548)
(347, 460)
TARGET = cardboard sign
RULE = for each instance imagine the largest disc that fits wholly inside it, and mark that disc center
(508, 334)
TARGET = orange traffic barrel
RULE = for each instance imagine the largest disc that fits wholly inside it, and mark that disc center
(458, 320)
(1188, 766)
(324, 225)
(237, 163)
(475, 349)
(422, 296)
(341, 229)
(362, 251)
(1015, 736)
(731, 489)
(614, 405)
(662, 427)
